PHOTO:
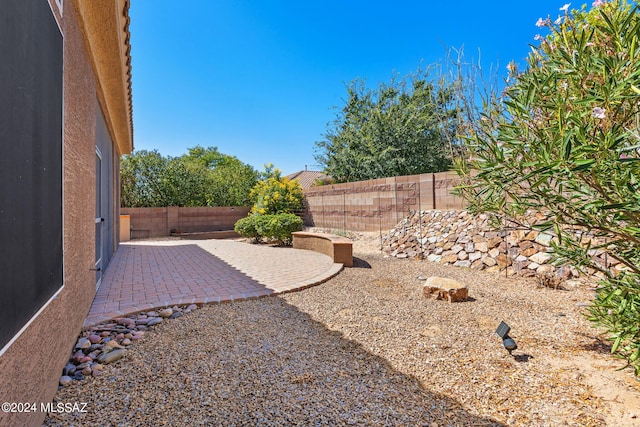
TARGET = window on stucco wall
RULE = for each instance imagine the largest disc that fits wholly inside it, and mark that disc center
(31, 88)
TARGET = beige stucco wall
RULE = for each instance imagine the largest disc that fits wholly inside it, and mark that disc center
(31, 367)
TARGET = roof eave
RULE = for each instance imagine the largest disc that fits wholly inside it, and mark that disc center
(105, 24)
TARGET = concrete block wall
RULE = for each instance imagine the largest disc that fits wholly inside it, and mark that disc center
(191, 220)
(158, 222)
(371, 205)
(379, 204)
(444, 184)
(147, 222)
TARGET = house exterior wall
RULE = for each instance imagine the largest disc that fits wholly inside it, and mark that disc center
(30, 367)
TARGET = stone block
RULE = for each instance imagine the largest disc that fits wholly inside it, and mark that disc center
(544, 239)
(482, 247)
(489, 262)
(540, 257)
(449, 258)
(442, 288)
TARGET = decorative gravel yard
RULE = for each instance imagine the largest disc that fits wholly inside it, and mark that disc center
(367, 348)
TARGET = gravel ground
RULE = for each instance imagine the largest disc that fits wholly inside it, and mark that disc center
(366, 348)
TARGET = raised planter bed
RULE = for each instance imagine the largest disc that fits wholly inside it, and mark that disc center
(339, 248)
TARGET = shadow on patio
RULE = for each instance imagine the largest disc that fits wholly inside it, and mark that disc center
(153, 274)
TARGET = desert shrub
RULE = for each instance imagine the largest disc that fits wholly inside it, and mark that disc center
(279, 227)
(276, 194)
(565, 140)
(275, 199)
(247, 227)
(276, 227)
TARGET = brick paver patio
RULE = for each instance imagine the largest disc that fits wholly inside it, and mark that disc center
(145, 275)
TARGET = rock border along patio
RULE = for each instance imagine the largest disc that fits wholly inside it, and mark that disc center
(152, 274)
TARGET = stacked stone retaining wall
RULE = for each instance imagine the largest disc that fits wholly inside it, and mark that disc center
(454, 237)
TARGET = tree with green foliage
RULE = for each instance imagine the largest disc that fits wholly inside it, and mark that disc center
(229, 180)
(147, 180)
(403, 127)
(565, 141)
(202, 177)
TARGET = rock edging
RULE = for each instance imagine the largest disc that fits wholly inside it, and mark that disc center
(107, 342)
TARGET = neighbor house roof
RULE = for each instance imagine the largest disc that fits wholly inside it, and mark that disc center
(308, 178)
(106, 28)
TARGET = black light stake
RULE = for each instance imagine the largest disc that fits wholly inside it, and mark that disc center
(507, 341)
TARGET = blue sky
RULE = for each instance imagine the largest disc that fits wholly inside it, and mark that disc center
(259, 79)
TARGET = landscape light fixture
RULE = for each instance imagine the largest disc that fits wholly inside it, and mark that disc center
(507, 341)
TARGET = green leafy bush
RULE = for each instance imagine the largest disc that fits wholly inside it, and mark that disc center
(272, 214)
(248, 227)
(565, 141)
(276, 227)
(279, 227)
(202, 177)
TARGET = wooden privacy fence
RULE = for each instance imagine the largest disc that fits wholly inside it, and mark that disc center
(156, 222)
(379, 204)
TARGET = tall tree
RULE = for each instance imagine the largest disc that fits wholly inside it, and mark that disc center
(202, 177)
(229, 181)
(143, 178)
(401, 128)
(208, 157)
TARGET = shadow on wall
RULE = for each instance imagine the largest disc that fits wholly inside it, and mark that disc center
(159, 222)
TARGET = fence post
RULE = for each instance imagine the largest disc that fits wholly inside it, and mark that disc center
(420, 219)
(344, 210)
(433, 190)
(379, 219)
(322, 204)
(395, 207)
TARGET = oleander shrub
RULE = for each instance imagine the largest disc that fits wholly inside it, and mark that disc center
(565, 140)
